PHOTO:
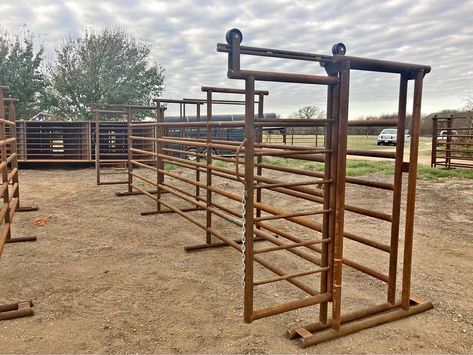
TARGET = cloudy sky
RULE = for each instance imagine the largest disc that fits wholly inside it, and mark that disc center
(183, 35)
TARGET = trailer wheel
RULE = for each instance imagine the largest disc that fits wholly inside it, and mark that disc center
(212, 152)
(190, 156)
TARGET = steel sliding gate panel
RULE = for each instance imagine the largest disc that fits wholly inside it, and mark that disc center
(452, 142)
(338, 67)
(111, 142)
(141, 154)
(110, 145)
(49, 141)
(297, 209)
(143, 149)
(220, 203)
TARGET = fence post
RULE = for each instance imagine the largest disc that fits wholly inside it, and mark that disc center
(433, 159)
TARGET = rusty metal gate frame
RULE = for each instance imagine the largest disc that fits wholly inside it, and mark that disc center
(99, 164)
(459, 143)
(134, 154)
(155, 195)
(182, 127)
(129, 126)
(230, 215)
(338, 67)
(208, 156)
(10, 192)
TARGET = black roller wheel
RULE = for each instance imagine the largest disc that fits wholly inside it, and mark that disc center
(233, 33)
(339, 49)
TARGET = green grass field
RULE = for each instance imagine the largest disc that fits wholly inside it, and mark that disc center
(354, 142)
(359, 167)
(373, 167)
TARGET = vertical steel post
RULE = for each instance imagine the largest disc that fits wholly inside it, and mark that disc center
(159, 151)
(208, 235)
(97, 145)
(448, 151)
(89, 141)
(397, 190)
(334, 128)
(259, 159)
(411, 191)
(340, 201)
(197, 171)
(328, 192)
(3, 153)
(433, 158)
(130, 146)
(14, 151)
(249, 192)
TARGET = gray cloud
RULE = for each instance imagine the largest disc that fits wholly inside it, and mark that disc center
(184, 33)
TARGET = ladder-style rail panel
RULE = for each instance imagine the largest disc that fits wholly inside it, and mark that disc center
(10, 194)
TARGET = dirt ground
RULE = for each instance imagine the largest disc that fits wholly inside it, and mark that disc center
(105, 279)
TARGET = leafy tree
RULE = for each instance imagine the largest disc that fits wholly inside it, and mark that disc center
(20, 69)
(107, 66)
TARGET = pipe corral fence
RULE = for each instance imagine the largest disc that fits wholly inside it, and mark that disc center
(260, 198)
(10, 192)
(143, 147)
(111, 138)
(268, 196)
(56, 141)
(452, 142)
(73, 142)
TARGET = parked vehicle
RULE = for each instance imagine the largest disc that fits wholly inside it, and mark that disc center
(443, 134)
(236, 134)
(389, 136)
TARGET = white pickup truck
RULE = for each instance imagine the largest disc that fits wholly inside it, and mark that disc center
(389, 136)
(444, 134)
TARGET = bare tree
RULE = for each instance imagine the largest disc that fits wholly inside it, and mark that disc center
(309, 112)
(469, 110)
(469, 103)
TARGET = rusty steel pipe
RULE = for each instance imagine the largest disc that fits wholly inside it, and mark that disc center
(230, 242)
(411, 191)
(330, 258)
(397, 190)
(364, 323)
(310, 194)
(280, 245)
